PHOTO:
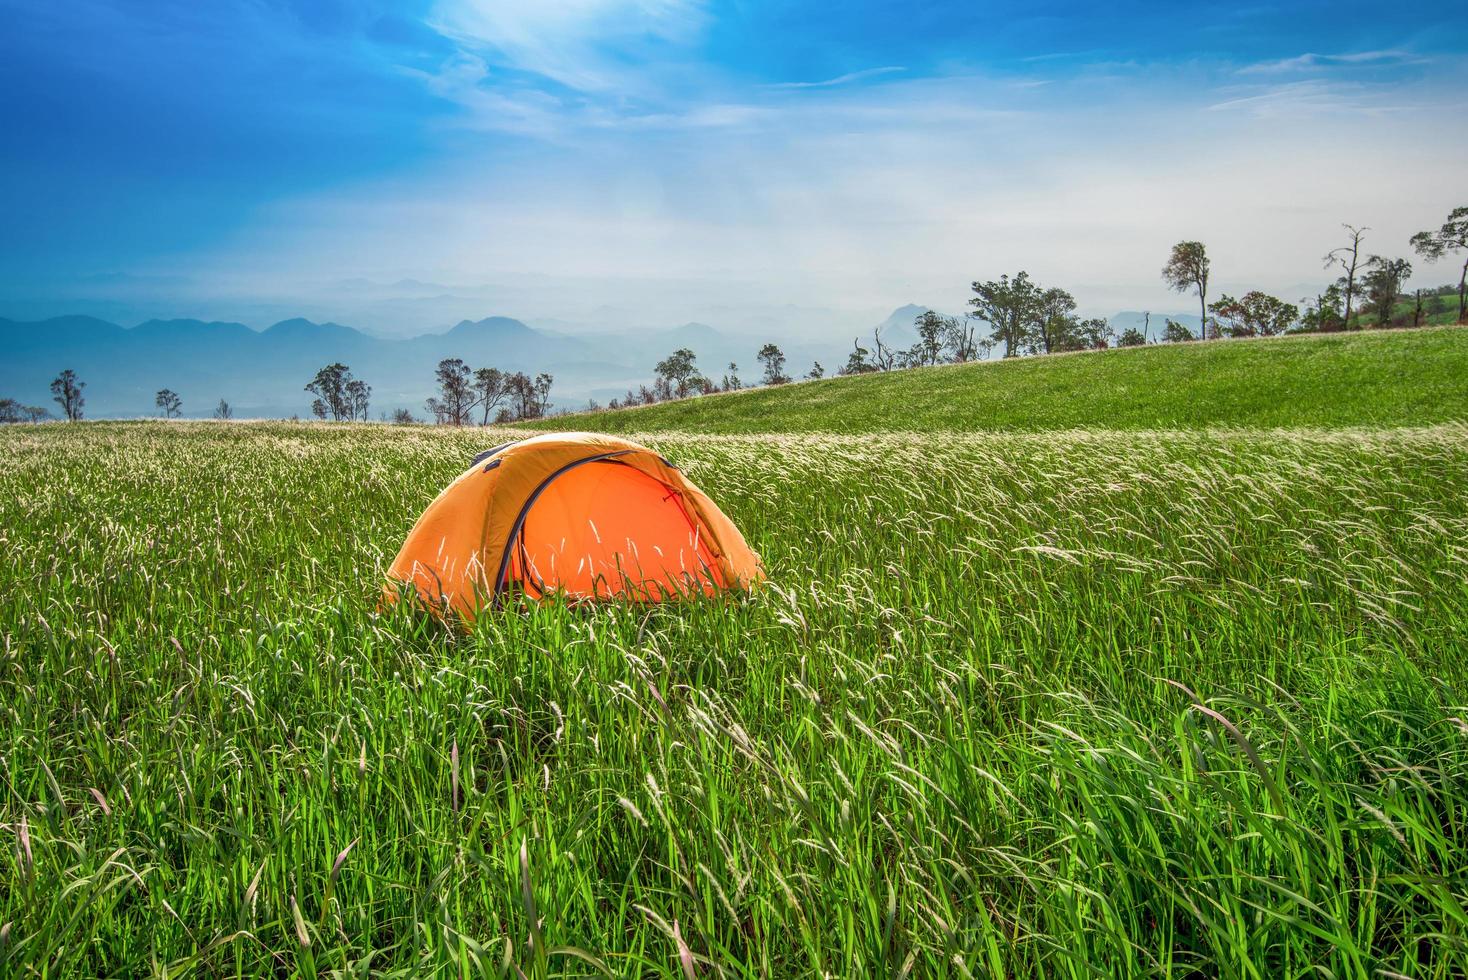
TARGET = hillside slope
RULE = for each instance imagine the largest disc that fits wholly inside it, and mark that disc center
(1388, 378)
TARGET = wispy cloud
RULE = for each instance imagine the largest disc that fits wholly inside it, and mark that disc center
(1310, 97)
(585, 45)
(852, 76)
(1311, 61)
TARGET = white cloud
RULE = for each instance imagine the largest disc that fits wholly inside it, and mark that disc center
(852, 76)
(583, 45)
(1311, 61)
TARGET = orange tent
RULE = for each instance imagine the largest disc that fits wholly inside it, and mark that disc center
(576, 514)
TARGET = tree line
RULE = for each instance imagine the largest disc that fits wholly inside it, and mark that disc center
(1025, 318)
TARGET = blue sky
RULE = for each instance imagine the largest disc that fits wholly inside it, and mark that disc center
(669, 160)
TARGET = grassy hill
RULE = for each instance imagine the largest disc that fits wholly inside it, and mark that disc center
(1385, 378)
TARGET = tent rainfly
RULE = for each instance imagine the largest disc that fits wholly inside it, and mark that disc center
(577, 515)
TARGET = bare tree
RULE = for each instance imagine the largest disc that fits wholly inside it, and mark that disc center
(223, 412)
(402, 416)
(1348, 257)
(960, 341)
(1451, 237)
(171, 404)
(1187, 269)
(883, 357)
(66, 390)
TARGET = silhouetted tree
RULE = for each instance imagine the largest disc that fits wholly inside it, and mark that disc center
(358, 396)
(490, 390)
(773, 359)
(223, 412)
(542, 388)
(1451, 237)
(816, 371)
(67, 392)
(1348, 257)
(402, 416)
(12, 411)
(330, 388)
(1187, 269)
(171, 404)
(455, 398)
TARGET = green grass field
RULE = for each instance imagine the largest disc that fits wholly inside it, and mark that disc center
(1077, 704)
(1375, 378)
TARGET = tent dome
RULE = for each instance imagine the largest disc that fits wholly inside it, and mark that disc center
(578, 515)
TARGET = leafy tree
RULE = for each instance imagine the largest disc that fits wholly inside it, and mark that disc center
(816, 372)
(1009, 306)
(1255, 314)
(1451, 237)
(171, 404)
(1095, 333)
(1323, 313)
(1187, 270)
(773, 360)
(455, 399)
(1131, 337)
(223, 412)
(1054, 327)
(680, 370)
(66, 390)
(731, 380)
(1347, 257)
(12, 411)
(490, 390)
(330, 388)
(856, 361)
(1383, 281)
(932, 330)
(402, 416)
(1175, 333)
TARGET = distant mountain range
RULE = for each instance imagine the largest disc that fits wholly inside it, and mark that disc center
(263, 373)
